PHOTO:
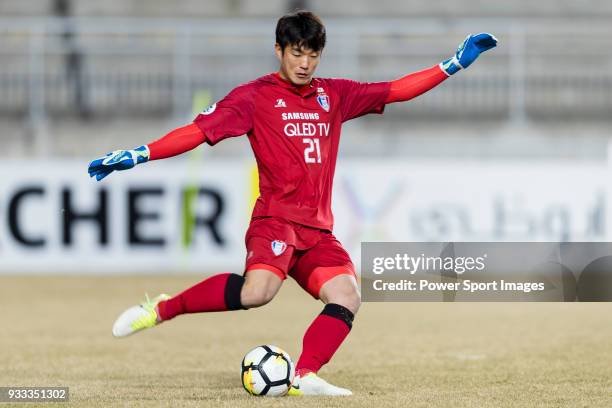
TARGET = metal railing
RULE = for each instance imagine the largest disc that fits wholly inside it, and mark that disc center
(544, 69)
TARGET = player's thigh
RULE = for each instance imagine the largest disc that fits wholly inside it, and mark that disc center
(260, 287)
(320, 264)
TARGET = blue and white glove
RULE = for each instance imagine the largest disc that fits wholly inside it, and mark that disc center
(468, 51)
(118, 160)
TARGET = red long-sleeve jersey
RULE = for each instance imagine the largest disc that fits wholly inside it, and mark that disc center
(294, 133)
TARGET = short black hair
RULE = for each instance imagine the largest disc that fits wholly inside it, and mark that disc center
(300, 28)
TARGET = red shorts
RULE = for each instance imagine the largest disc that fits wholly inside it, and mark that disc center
(311, 256)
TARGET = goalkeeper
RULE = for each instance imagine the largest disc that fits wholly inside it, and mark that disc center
(293, 121)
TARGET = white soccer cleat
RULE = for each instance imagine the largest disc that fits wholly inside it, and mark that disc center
(138, 318)
(312, 384)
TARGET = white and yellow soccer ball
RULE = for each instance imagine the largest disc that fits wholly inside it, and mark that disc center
(267, 370)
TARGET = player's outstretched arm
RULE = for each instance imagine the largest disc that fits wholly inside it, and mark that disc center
(174, 143)
(417, 83)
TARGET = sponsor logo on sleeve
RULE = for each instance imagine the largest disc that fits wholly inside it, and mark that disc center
(210, 109)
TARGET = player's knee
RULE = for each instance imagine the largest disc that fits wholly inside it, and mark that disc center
(256, 295)
(350, 299)
(353, 301)
(259, 288)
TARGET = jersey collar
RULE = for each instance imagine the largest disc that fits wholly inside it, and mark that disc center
(304, 90)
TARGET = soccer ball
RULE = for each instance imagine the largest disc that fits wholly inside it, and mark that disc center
(267, 370)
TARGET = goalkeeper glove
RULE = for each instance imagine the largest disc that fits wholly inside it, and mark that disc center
(118, 160)
(468, 51)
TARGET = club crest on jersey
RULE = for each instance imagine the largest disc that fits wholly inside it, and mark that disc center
(323, 101)
(278, 247)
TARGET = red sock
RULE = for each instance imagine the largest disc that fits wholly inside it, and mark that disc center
(217, 293)
(324, 337)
